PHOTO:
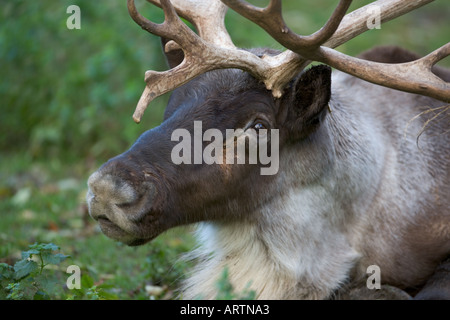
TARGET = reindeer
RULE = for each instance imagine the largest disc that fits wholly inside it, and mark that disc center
(354, 188)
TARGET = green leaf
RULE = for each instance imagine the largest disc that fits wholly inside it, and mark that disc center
(87, 281)
(29, 253)
(44, 247)
(93, 293)
(14, 291)
(49, 284)
(25, 289)
(53, 258)
(41, 295)
(24, 267)
(105, 295)
(6, 271)
(49, 246)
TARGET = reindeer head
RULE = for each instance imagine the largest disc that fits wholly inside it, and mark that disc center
(143, 192)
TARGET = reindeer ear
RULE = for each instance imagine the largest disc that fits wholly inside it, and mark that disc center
(173, 57)
(308, 101)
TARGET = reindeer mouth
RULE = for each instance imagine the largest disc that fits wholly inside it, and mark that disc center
(109, 227)
(113, 231)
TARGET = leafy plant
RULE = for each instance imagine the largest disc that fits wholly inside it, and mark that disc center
(91, 291)
(27, 279)
(34, 277)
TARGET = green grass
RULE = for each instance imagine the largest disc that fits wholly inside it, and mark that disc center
(67, 98)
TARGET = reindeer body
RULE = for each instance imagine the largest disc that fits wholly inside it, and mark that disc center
(356, 187)
(370, 192)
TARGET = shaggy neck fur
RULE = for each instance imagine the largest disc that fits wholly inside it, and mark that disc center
(277, 263)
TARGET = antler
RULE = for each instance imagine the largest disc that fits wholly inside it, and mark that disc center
(211, 29)
(271, 20)
(414, 77)
(200, 56)
(212, 48)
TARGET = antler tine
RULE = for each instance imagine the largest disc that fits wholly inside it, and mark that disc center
(208, 18)
(271, 20)
(355, 22)
(328, 30)
(172, 27)
(434, 57)
(414, 77)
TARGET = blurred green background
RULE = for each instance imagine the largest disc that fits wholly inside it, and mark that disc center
(66, 99)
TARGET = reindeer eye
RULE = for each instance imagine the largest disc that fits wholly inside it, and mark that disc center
(258, 126)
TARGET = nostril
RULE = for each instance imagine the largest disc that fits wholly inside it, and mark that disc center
(130, 203)
(127, 197)
(102, 218)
